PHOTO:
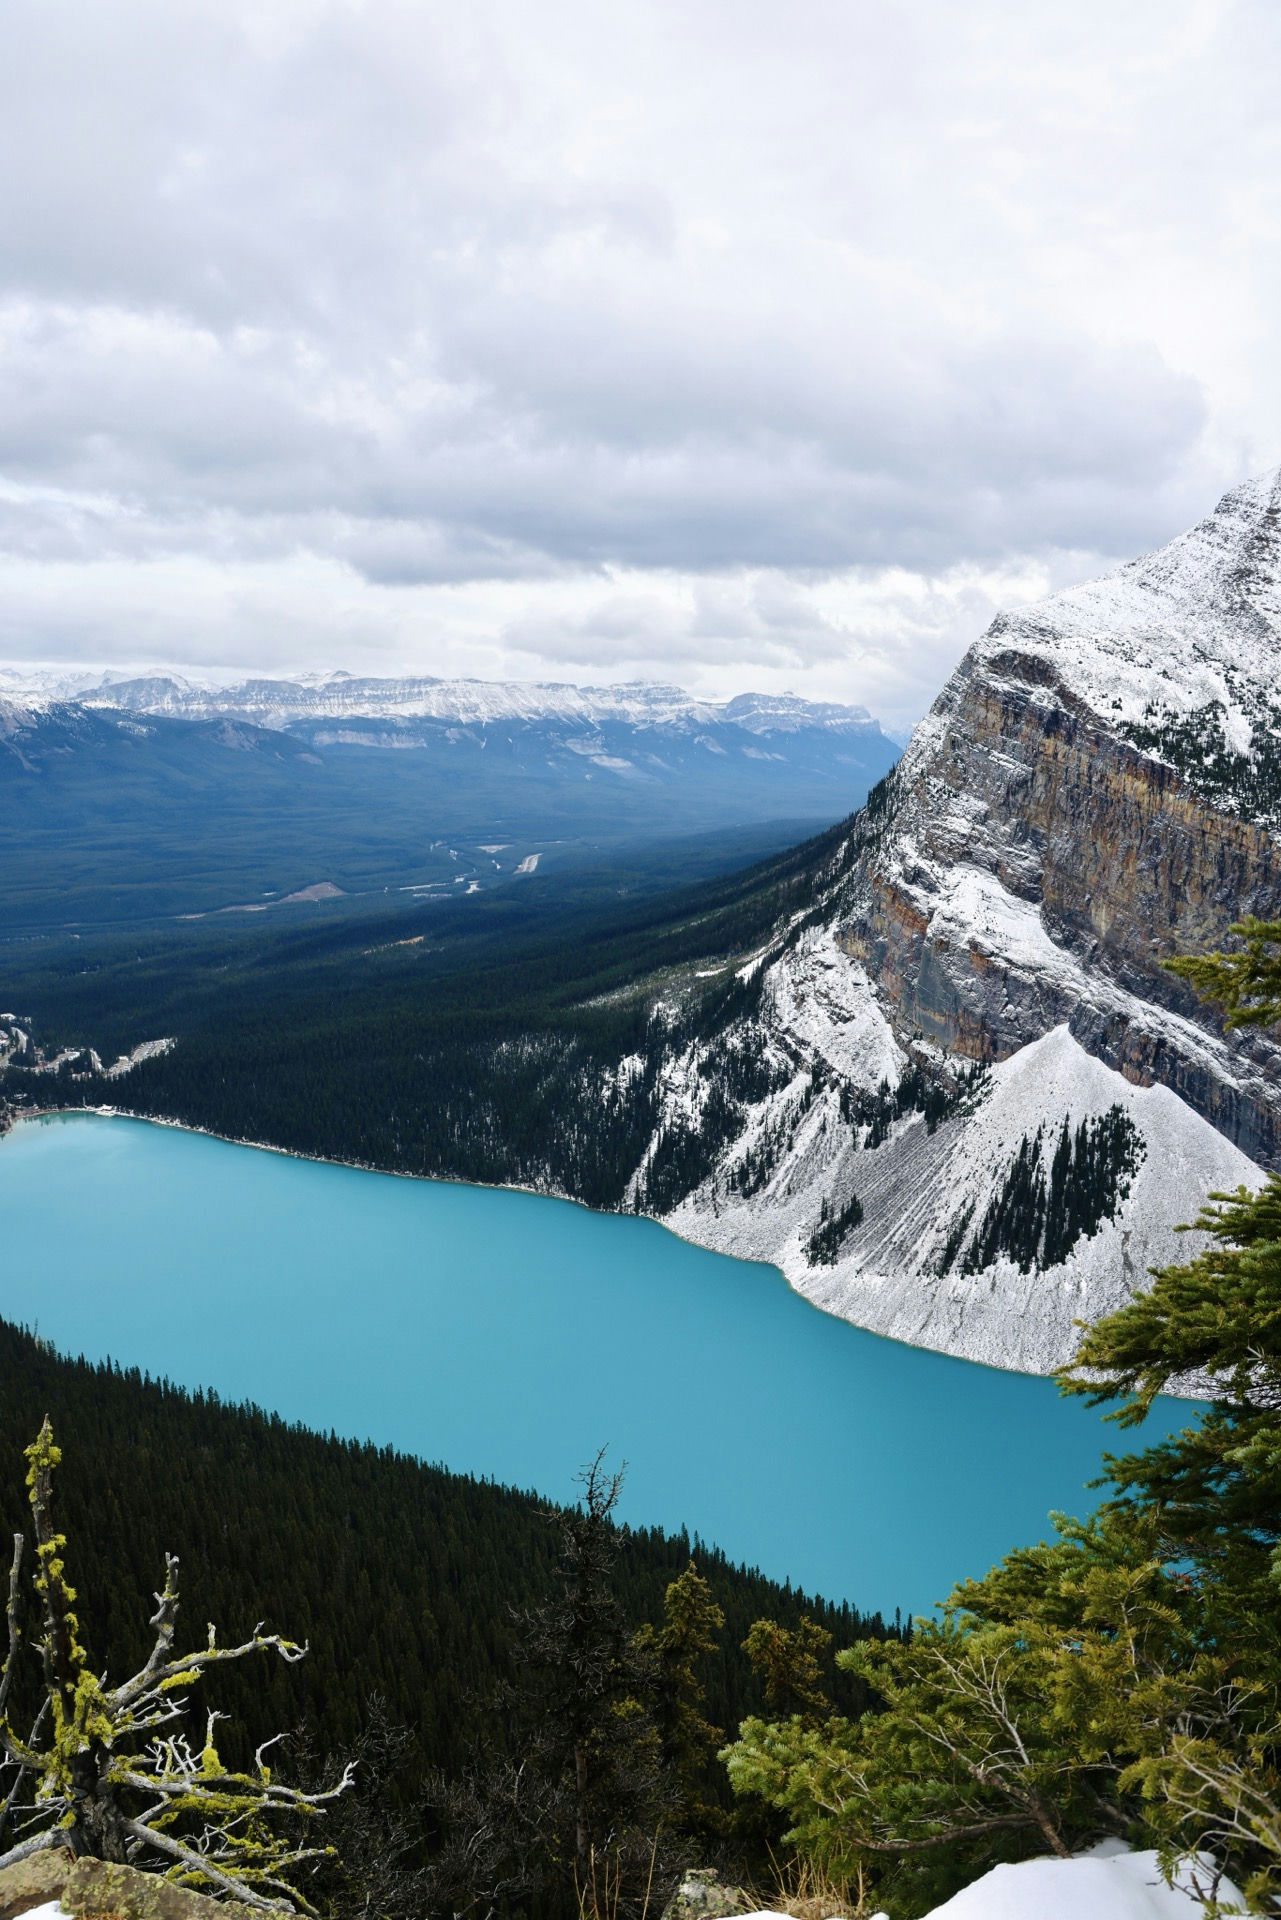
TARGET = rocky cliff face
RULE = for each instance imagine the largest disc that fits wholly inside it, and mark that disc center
(1094, 790)
(1034, 864)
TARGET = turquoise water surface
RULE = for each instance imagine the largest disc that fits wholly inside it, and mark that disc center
(510, 1336)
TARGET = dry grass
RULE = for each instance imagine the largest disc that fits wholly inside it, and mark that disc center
(602, 1897)
(806, 1892)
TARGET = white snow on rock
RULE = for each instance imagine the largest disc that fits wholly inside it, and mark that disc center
(822, 1000)
(145, 1050)
(1197, 621)
(887, 1277)
(468, 703)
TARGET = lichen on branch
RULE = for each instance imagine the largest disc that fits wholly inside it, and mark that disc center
(110, 1772)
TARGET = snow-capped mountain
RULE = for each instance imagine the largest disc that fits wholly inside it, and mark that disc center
(973, 1025)
(639, 731)
(128, 785)
(338, 696)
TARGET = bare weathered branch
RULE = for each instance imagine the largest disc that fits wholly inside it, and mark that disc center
(11, 1615)
(92, 1774)
(36, 1844)
(198, 1863)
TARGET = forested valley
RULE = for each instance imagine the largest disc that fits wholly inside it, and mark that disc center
(475, 1039)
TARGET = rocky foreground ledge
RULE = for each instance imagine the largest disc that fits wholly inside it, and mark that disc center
(101, 1890)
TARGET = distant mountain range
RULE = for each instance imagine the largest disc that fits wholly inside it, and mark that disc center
(468, 703)
(338, 696)
(129, 778)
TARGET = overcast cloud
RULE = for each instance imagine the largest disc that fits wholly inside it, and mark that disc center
(730, 343)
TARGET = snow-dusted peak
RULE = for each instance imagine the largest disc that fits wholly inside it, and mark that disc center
(467, 703)
(1198, 621)
(786, 712)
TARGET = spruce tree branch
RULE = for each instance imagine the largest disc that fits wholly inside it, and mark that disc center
(996, 1823)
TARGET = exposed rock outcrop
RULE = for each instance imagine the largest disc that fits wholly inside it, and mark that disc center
(700, 1896)
(88, 1889)
(1095, 789)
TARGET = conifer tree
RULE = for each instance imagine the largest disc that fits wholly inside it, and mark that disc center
(789, 1662)
(1124, 1679)
(691, 1622)
(595, 1746)
(1246, 984)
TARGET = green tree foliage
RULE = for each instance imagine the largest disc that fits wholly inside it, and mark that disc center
(1040, 1211)
(1123, 1679)
(1246, 984)
(873, 1114)
(579, 1806)
(789, 1661)
(413, 1588)
(1027, 1719)
(1215, 1493)
(483, 1045)
(595, 1739)
(678, 1650)
(406, 1581)
(833, 1229)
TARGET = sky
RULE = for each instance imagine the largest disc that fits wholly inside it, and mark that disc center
(714, 342)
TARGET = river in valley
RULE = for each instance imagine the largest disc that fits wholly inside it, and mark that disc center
(510, 1336)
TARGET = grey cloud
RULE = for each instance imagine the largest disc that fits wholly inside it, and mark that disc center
(207, 440)
(447, 294)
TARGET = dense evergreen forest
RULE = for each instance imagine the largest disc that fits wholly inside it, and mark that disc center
(408, 1582)
(476, 1044)
(121, 821)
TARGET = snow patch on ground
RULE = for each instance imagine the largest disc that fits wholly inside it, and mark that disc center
(1109, 1883)
(146, 1050)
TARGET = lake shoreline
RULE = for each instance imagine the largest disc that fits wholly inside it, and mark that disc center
(1198, 1390)
(494, 1186)
(471, 1326)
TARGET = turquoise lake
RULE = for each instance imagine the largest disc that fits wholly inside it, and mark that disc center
(509, 1336)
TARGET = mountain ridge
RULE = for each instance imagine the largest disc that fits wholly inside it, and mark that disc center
(1003, 904)
(145, 798)
(281, 703)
